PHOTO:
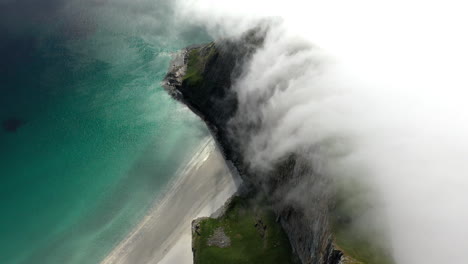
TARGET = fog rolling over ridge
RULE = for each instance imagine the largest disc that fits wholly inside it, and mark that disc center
(372, 90)
(368, 90)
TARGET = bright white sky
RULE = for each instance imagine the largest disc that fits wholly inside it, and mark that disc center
(415, 37)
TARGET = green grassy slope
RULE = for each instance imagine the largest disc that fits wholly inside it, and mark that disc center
(360, 244)
(254, 234)
(197, 59)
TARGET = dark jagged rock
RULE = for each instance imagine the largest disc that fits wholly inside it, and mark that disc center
(206, 89)
(202, 77)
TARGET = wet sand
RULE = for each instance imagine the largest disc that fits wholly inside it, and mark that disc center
(164, 234)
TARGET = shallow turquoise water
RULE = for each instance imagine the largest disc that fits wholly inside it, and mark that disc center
(101, 138)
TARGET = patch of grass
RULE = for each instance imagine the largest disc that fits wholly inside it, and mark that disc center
(197, 59)
(255, 237)
(360, 250)
(361, 245)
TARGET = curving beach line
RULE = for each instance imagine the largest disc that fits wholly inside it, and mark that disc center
(200, 188)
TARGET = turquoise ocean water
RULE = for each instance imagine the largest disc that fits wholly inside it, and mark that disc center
(98, 138)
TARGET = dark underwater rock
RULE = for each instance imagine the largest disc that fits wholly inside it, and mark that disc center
(12, 124)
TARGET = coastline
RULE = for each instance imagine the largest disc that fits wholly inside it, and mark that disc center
(164, 234)
(204, 83)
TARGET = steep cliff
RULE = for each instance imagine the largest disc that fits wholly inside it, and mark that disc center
(202, 78)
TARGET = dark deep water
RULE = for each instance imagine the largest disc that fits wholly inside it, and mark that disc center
(89, 138)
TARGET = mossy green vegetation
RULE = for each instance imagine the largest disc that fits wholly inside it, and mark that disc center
(255, 236)
(360, 244)
(197, 59)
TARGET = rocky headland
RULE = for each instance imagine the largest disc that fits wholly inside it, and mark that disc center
(202, 77)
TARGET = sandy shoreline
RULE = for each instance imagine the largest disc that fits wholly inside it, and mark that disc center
(164, 235)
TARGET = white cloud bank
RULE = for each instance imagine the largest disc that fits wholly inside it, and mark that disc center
(388, 99)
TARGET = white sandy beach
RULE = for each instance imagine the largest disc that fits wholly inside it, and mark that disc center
(164, 235)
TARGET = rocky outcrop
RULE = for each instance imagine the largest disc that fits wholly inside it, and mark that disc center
(202, 77)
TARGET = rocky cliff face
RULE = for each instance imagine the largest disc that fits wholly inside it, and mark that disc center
(202, 77)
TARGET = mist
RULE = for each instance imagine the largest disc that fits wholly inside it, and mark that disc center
(376, 90)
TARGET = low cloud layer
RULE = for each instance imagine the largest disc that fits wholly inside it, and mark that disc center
(376, 89)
